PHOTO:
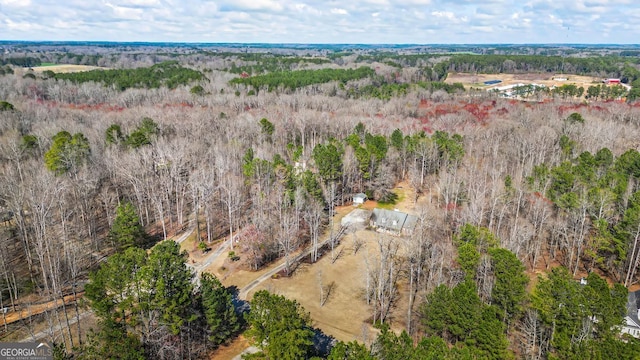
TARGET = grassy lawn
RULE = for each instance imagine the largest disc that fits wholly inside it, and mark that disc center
(48, 64)
(391, 205)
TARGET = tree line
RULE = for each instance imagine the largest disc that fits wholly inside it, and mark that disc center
(603, 66)
(169, 74)
(267, 64)
(297, 79)
(26, 61)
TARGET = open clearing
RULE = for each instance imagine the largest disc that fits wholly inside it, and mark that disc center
(65, 68)
(477, 80)
(345, 312)
(345, 315)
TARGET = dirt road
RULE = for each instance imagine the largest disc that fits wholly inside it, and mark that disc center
(242, 294)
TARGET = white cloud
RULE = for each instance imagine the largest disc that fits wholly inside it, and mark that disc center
(15, 3)
(138, 3)
(126, 13)
(414, 2)
(22, 26)
(449, 16)
(270, 5)
(329, 21)
(304, 8)
(444, 14)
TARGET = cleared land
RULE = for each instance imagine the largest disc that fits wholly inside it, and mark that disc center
(477, 80)
(65, 68)
(345, 314)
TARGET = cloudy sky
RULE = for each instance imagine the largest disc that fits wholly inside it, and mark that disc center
(317, 21)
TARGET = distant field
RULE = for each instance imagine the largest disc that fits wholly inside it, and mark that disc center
(64, 68)
(477, 80)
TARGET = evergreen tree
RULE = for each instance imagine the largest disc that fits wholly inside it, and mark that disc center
(397, 139)
(328, 159)
(169, 284)
(67, 152)
(113, 134)
(350, 351)
(143, 134)
(5, 106)
(436, 311)
(126, 230)
(111, 341)
(218, 309)
(109, 288)
(279, 326)
(267, 128)
(509, 289)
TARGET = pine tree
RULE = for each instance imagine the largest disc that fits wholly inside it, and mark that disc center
(169, 284)
(218, 308)
(126, 230)
(67, 152)
(279, 326)
(350, 351)
(109, 288)
(509, 290)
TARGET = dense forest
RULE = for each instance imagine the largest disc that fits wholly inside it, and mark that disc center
(255, 153)
(169, 74)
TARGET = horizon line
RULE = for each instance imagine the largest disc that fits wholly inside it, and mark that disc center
(315, 43)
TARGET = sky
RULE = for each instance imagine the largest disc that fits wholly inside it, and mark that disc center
(319, 22)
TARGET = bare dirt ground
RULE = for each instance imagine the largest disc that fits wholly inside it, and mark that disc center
(345, 314)
(477, 80)
(30, 310)
(231, 350)
(65, 68)
(345, 311)
(39, 328)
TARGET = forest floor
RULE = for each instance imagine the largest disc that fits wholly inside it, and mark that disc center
(345, 312)
(231, 350)
(25, 309)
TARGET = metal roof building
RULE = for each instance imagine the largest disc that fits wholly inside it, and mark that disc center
(395, 222)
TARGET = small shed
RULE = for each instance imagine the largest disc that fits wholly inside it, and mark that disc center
(359, 199)
(631, 325)
(492, 82)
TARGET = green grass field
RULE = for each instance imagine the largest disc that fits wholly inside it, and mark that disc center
(391, 205)
(48, 64)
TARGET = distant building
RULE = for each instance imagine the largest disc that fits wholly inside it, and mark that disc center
(492, 82)
(394, 222)
(632, 322)
(359, 199)
(611, 81)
